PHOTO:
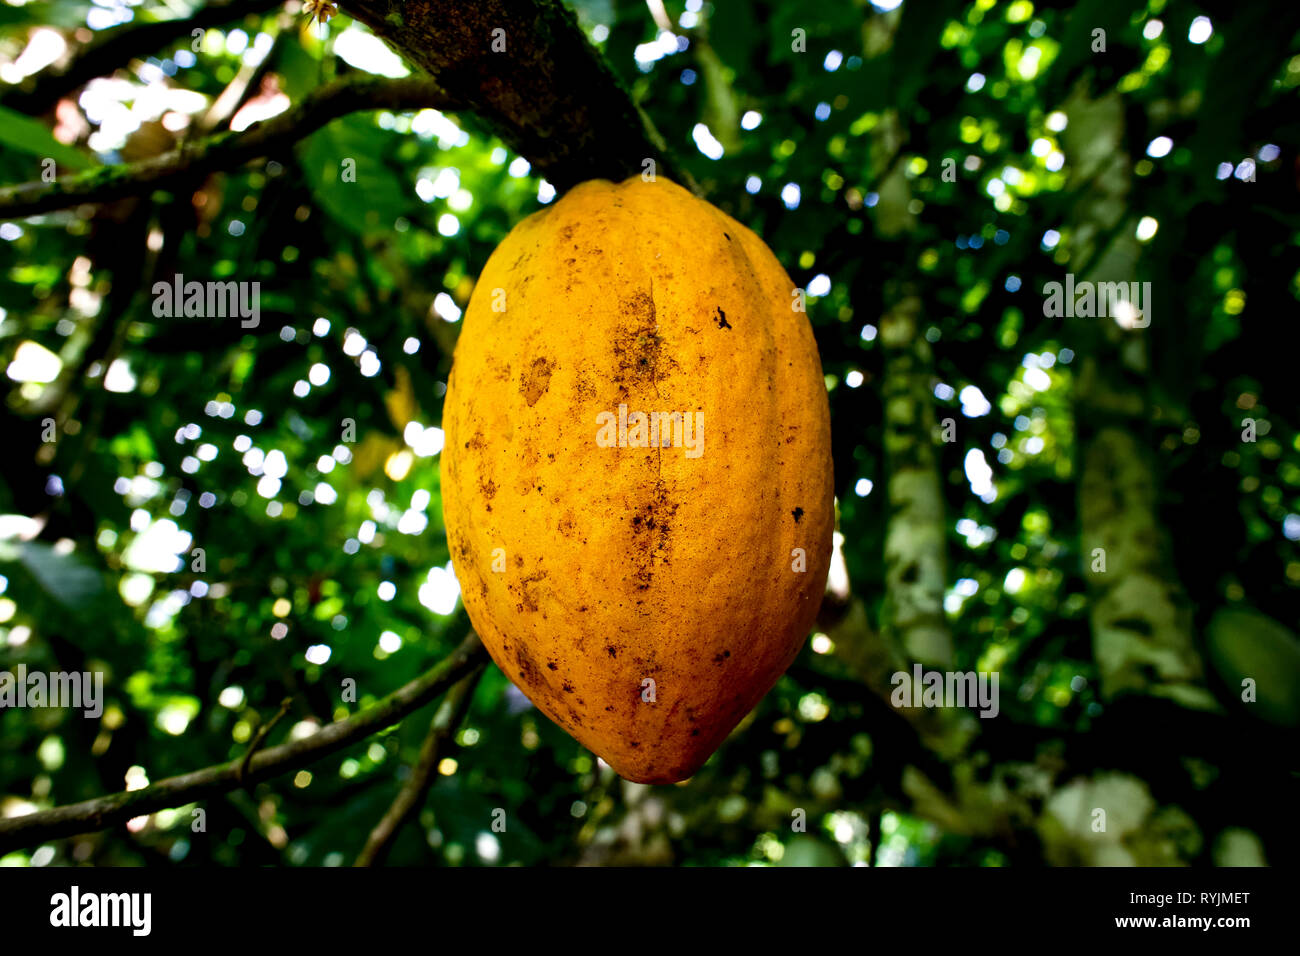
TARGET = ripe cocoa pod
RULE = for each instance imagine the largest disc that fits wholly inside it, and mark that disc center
(637, 480)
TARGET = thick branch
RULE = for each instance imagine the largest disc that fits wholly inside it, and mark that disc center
(117, 47)
(115, 808)
(532, 77)
(227, 150)
(408, 800)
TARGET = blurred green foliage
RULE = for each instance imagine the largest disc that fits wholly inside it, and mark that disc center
(324, 559)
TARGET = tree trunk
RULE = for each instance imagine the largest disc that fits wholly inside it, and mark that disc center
(916, 570)
(1140, 617)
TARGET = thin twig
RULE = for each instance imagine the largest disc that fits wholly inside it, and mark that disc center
(118, 47)
(409, 799)
(225, 150)
(262, 734)
(105, 811)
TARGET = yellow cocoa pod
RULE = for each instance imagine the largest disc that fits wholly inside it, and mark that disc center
(636, 480)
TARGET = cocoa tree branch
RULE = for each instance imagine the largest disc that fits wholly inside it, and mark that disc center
(533, 78)
(408, 800)
(106, 811)
(260, 738)
(226, 150)
(117, 47)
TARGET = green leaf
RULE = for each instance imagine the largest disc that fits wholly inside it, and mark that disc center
(69, 16)
(66, 578)
(372, 196)
(30, 136)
